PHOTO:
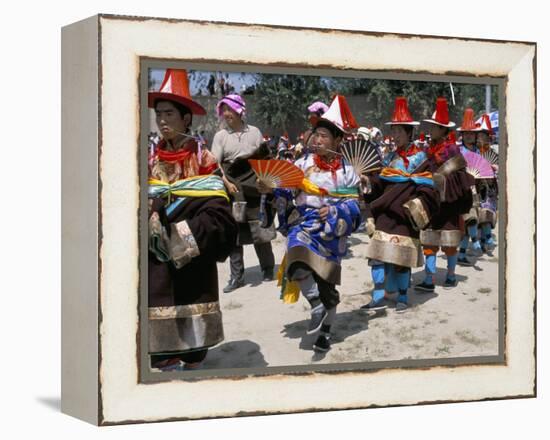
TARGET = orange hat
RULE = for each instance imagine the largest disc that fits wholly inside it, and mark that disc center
(468, 123)
(401, 113)
(338, 114)
(175, 87)
(441, 114)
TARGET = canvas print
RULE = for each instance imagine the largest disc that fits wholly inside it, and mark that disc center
(300, 220)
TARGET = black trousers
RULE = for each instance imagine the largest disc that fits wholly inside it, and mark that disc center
(236, 259)
(328, 295)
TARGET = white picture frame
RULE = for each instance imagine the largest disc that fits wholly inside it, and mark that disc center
(101, 380)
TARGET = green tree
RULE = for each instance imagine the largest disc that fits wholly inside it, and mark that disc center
(281, 100)
(378, 96)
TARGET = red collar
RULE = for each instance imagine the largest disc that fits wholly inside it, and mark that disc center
(331, 166)
(190, 147)
(436, 151)
(412, 150)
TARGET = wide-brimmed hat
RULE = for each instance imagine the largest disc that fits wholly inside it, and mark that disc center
(441, 114)
(338, 114)
(401, 114)
(175, 87)
(484, 124)
(468, 123)
(234, 102)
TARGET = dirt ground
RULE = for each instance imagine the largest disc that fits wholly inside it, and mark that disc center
(260, 330)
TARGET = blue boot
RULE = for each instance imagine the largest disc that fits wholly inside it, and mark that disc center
(377, 302)
(428, 284)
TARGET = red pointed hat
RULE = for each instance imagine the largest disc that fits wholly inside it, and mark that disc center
(441, 114)
(175, 87)
(484, 124)
(339, 115)
(468, 123)
(401, 113)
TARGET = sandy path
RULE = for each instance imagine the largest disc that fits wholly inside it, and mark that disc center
(261, 331)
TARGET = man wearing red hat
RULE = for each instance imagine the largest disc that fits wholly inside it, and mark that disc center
(178, 155)
(317, 224)
(190, 228)
(469, 131)
(454, 185)
(400, 202)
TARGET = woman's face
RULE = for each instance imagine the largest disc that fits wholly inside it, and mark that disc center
(323, 141)
(230, 116)
(400, 136)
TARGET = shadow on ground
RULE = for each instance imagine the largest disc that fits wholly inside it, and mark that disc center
(253, 275)
(53, 403)
(235, 354)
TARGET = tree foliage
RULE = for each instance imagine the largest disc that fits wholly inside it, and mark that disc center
(281, 100)
(379, 96)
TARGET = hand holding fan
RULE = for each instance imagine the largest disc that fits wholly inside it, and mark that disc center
(362, 156)
(277, 173)
(477, 166)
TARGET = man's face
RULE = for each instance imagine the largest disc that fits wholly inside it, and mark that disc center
(469, 138)
(437, 132)
(230, 116)
(323, 141)
(169, 121)
(399, 135)
(483, 139)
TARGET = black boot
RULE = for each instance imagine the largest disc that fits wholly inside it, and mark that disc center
(234, 283)
(322, 344)
(267, 274)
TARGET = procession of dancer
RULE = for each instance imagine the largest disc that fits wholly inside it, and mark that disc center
(413, 193)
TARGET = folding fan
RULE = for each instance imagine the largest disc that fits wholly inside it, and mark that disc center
(277, 173)
(362, 156)
(478, 166)
(491, 156)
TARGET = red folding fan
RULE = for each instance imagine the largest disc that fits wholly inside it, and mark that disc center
(277, 173)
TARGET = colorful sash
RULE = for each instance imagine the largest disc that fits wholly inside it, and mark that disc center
(398, 175)
(197, 186)
(311, 188)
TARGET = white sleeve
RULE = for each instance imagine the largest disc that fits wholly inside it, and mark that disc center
(259, 137)
(217, 147)
(351, 178)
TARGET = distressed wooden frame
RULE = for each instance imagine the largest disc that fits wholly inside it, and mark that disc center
(101, 380)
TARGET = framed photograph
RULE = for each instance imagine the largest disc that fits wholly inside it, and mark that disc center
(210, 271)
